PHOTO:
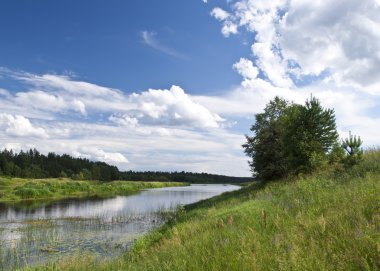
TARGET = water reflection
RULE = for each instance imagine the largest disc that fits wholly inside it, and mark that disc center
(103, 226)
(147, 201)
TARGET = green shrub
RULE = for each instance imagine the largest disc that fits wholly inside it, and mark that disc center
(354, 152)
(27, 192)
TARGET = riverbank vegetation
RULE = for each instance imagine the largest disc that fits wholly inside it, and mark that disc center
(16, 189)
(328, 220)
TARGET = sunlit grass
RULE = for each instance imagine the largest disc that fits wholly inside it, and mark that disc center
(327, 221)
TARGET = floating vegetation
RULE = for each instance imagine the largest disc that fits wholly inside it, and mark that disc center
(36, 241)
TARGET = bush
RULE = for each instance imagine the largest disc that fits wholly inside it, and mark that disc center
(27, 192)
(352, 146)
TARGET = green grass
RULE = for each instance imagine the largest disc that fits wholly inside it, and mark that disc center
(327, 221)
(16, 189)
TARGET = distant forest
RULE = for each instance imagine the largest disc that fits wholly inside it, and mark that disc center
(33, 164)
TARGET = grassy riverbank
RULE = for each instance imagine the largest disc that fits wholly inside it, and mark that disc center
(327, 221)
(16, 189)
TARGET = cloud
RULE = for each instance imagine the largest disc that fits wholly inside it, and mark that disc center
(4, 93)
(303, 39)
(157, 129)
(220, 14)
(300, 47)
(145, 148)
(100, 155)
(229, 23)
(150, 38)
(20, 126)
(346, 42)
(48, 102)
(124, 120)
(66, 84)
(246, 69)
(79, 106)
(59, 95)
(172, 107)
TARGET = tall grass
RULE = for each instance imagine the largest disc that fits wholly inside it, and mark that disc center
(326, 221)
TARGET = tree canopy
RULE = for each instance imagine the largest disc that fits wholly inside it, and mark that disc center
(290, 138)
(265, 148)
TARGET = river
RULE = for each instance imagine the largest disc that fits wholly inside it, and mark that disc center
(36, 232)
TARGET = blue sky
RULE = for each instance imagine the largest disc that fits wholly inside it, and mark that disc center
(174, 85)
(103, 43)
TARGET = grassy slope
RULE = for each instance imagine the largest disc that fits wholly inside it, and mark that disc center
(15, 189)
(319, 222)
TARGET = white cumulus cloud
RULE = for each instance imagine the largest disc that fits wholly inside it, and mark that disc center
(100, 155)
(172, 107)
(246, 69)
(328, 48)
(16, 125)
(295, 39)
(220, 14)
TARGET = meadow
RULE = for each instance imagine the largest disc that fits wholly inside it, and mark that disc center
(329, 220)
(17, 189)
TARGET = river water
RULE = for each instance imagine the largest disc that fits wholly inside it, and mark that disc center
(36, 232)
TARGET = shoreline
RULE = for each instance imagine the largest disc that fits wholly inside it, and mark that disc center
(18, 190)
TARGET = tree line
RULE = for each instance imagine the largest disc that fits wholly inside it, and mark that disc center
(33, 164)
(187, 177)
(290, 138)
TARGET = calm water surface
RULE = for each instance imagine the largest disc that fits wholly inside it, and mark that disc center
(104, 227)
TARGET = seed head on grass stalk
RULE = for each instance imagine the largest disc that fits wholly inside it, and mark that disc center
(264, 217)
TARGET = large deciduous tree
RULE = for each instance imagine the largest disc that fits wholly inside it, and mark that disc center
(290, 138)
(265, 147)
(310, 135)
